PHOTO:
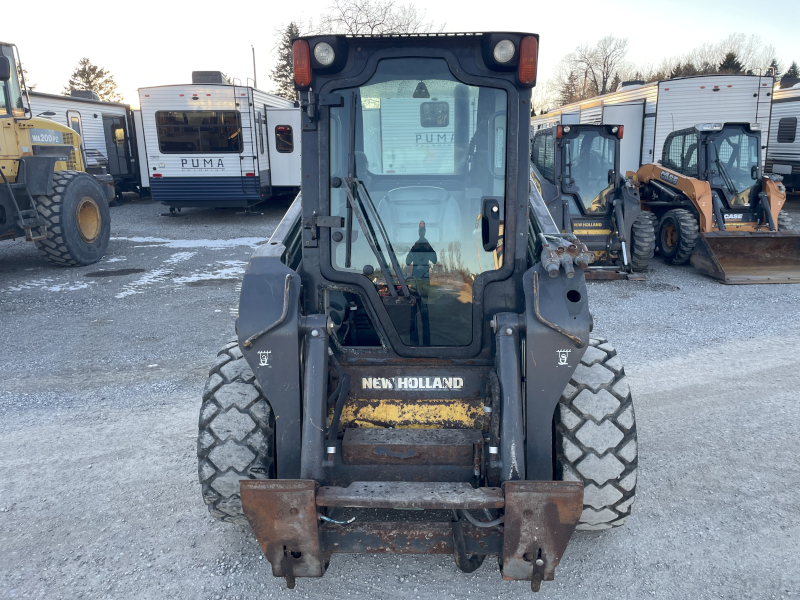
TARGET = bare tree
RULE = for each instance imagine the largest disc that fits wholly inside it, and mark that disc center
(592, 70)
(373, 17)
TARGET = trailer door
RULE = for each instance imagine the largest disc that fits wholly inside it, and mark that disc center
(631, 116)
(283, 129)
(115, 130)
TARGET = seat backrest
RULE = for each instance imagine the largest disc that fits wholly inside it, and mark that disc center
(402, 209)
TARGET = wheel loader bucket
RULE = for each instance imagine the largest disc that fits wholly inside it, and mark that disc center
(749, 257)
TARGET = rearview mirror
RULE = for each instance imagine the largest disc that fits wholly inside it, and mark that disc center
(5, 68)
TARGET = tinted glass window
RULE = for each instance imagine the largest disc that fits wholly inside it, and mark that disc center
(673, 148)
(588, 159)
(284, 138)
(434, 114)
(199, 131)
(787, 130)
(548, 158)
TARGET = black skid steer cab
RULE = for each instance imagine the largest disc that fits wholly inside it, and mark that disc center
(576, 170)
(416, 333)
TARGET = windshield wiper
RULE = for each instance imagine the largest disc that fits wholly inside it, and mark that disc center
(359, 203)
(723, 172)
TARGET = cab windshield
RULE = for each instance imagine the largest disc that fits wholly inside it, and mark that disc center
(734, 158)
(589, 160)
(10, 94)
(427, 149)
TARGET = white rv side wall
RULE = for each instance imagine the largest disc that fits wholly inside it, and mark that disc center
(93, 135)
(784, 158)
(686, 102)
(648, 134)
(592, 115)
(285, 169)
(630, 116)
(141, 159)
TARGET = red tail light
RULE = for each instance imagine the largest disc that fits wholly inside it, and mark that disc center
(301, 61)
(249, 174)
(157, 175)
(621, 131)
(559, 131)
(528, 54)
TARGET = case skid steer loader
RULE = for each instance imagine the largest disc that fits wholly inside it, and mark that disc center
(717, 210)
(45, 194)
(576, 171)
(415, 335)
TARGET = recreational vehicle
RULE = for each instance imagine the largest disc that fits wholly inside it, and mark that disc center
(217, 144)
(106, 129)
(783, 147)
(649, 112)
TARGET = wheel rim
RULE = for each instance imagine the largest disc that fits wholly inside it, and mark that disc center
(669, 236)
(88, 218)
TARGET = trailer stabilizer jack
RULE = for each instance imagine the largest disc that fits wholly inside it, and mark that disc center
(540, 517)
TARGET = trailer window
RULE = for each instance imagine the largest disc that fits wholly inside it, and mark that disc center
(284, 139)
(787, 130)
(199, 131)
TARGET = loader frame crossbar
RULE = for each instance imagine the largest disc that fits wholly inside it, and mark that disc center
(539, 519)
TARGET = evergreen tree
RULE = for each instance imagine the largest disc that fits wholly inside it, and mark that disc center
(730, 64)
(88, 76)
(776, 67)
(793, 71)
(283, 73)
(677, 71)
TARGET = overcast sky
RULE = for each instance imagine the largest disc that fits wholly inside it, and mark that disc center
(148, 42)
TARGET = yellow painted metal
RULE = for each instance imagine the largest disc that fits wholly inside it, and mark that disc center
(418, 414)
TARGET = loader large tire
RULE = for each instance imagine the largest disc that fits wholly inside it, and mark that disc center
(236, 437)
(77, 218)
(643, 240)
(596, 437)
(677, 235)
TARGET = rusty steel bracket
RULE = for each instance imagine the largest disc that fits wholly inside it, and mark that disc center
(540, 518)
(283, 516)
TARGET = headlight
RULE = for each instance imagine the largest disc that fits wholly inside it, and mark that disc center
(504, 51)
(755, 126)
(323, 53)
(567, 128)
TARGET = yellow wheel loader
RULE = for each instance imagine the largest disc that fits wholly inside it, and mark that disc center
(45, 193)
(716, 210)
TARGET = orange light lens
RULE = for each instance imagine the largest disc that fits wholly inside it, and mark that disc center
(301, 62)
(621, 130)
(559, 131)
(528, 54)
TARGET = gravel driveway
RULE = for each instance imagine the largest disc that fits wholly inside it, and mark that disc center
(102, 369)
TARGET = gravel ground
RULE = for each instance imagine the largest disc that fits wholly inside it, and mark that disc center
(101, 382)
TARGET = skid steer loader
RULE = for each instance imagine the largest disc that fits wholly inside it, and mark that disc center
(576, 171)
(717, 210)
(416, 333)
(45, 194)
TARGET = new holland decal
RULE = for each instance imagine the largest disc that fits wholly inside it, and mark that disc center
(412, 383)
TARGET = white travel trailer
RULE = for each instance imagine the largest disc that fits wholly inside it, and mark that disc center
(106, 130)
(217, 144)
(783, 147)
(650, 112)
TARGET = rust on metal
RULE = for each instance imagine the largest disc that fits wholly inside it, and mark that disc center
(410, 494)
(283, 517)
(539, 316)
(407, 537)
(540, 518)
(749, 257)
(410, 446)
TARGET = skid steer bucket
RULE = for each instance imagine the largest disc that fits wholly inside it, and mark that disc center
(749, 257)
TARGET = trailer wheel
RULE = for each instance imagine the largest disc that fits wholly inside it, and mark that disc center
(643, 240)
(596, 437)
(77, 219)
(677, 235)
(785, 222)
(236, 434)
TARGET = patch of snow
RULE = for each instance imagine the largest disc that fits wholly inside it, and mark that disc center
(135, 287)
(49, 285)
(179, 257)
(115, 259)
(225, 273)
(212, 244)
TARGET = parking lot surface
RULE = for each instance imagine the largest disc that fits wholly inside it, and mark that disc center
(101, 370)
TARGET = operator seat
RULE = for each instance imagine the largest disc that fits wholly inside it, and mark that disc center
(402, 209)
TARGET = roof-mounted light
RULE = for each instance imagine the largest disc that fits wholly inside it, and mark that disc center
(324, 54)
(755, 126)
(301, 62)
(528, 55)
(504, 51)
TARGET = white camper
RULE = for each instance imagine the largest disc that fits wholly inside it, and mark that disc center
(783, 147)
(217, 144)
(651, 111)
(106, 129)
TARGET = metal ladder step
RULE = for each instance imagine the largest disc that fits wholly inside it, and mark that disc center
(410, 494)
(368, 446)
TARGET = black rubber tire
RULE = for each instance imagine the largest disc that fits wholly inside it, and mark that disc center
(64, 244)
(236, 434)
(596, 437)
(785, 221)
(643, 240)
(687, 232)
